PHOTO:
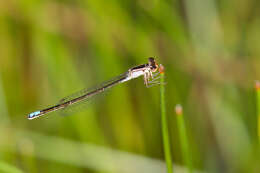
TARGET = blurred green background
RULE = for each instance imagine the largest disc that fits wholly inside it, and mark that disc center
(50, 49)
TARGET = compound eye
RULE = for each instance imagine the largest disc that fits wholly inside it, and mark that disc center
(153, 65)
(151, 61)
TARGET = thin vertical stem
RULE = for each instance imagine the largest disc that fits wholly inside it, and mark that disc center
(165, 133)
(257, 87)
(183, 138)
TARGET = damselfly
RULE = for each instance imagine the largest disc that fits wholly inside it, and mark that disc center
(146, 70)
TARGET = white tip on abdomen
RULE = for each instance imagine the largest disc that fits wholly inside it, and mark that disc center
(33, 115)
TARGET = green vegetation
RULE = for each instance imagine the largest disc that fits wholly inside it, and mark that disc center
(257, 87)
(4, 167)
(164, 121)
(186, 154)
(50, 49)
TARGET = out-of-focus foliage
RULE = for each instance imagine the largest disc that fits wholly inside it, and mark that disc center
(210, 50)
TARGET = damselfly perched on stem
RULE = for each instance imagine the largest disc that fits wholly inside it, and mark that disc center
(147, 70)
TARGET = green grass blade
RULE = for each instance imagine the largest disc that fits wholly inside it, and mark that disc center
(257, 87)
(183, 137)
(4, 167)
(165, 134)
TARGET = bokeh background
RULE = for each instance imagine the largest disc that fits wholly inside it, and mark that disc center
(52, 48)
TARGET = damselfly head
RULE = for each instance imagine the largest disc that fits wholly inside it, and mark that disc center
(153, 65)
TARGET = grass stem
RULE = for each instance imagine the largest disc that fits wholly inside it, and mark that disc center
(257, 87)
(183, 138)
(165, 132)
